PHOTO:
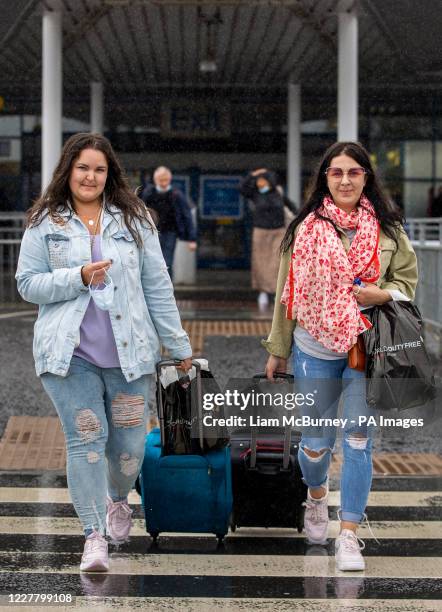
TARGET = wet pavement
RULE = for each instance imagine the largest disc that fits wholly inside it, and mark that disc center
(273, 569)
(260, 569)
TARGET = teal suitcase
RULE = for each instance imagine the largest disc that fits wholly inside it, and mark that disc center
(185, 493)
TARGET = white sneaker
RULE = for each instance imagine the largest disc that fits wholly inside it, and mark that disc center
(263, 300)
(348, 551)
(95, 556)
(316, 518)
(118, 520)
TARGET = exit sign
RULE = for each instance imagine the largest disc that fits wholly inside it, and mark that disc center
(195, 119)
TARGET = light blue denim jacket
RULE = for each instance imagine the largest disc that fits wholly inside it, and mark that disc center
(144, 309)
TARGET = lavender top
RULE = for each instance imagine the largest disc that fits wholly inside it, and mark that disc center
(97, 342)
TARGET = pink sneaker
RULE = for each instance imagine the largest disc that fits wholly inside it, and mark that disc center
(118, 519)
(316, 518)
(95, 557)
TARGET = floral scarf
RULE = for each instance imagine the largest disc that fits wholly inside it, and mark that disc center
(318, 291)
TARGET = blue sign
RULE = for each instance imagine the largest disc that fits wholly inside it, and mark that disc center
(220, 197)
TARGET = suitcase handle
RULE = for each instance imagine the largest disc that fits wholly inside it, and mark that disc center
(276, 375)
(175, 362)
(269, 462)
(287, 431)
(269, 459)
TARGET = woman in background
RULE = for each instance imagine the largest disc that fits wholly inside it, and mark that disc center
(267, 204)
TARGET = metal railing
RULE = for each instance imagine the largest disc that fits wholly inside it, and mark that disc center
(12, 225)
(424, 230)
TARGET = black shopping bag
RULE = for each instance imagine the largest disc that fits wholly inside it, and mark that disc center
(181, 407)
(400, 374)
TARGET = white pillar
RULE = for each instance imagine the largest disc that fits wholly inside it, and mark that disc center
(51, 140)
(294, 144)
(97, 107)
(347, 76)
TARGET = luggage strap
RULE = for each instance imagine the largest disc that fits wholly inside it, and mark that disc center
(263, 447)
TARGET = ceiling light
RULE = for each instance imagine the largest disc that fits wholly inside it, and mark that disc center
(208, 65)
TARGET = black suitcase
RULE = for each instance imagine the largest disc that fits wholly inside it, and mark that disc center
(268, 490)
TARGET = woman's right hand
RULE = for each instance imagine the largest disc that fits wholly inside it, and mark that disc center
(275, 364)
(97, 269)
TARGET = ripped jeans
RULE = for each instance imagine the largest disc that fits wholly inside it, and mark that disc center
(104, 423)
(356, 471)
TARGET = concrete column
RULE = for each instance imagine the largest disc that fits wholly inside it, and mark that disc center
(97, 107)
(347, 76)
(52, 92)
(294, 144)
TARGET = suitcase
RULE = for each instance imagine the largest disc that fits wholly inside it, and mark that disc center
(268, 490)
(185, 493)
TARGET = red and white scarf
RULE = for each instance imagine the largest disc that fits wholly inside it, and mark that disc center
(318, 292)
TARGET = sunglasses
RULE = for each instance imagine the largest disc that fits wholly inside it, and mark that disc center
(338, 173)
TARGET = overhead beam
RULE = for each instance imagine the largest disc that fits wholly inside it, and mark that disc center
(16, 26)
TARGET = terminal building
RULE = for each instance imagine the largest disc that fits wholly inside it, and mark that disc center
(214, 90)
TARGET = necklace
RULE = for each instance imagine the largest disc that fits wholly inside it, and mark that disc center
(89, 221)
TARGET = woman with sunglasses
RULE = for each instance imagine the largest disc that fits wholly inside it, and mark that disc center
(91, 259)
(345, 251)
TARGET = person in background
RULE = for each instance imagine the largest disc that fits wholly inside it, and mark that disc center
(171, 212)
(435, 203)
(91, 259)
(267, 202)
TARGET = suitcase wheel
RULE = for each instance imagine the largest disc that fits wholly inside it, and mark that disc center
(137, 486)
(300, 520)
(220, 538)
(232, 522)
(154, 535)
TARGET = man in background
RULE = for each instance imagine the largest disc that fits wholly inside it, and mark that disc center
(171, 213)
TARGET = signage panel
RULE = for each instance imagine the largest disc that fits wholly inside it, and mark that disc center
(220, 197)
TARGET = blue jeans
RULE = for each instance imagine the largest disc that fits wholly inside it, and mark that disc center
(104, 423)
(168, 243)
(356, 471)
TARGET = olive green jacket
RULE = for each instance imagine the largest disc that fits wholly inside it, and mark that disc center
(398, 271)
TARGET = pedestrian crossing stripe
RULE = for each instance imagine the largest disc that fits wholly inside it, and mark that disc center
(71, 526)
(376, 498)
(222, 565)
(204, 604)
(259, 569)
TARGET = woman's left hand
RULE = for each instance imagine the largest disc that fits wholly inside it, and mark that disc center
(370, 295)
(186, 364)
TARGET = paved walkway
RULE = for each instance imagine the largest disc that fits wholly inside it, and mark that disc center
(41, 540)
(273, 569)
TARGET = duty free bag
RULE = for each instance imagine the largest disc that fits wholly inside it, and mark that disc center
(399, 372)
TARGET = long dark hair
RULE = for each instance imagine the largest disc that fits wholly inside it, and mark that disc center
(389, 216)
(54, 200)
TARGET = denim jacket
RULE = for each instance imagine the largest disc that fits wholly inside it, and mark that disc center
(144, 309)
